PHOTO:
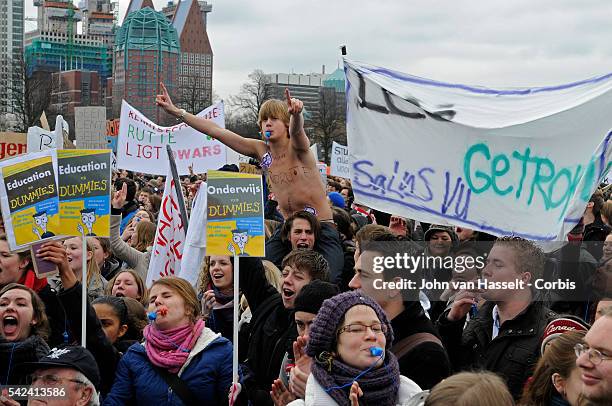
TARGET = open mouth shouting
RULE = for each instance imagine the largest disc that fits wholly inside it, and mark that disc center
(288, 294)
(10, 326)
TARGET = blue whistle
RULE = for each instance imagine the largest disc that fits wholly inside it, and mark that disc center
(152, 315)
(268, 134)
(376, 351)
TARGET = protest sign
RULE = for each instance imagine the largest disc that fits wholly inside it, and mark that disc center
(12, 144)
(195, 240)
(249, 168)
(142, 144)
(323, 172)
(235, 224)
(41, 140)
(42, 268)
(339, 161)
(84, 178)
(90, 127)
(504, 161)
(169, 244)
(29, 198)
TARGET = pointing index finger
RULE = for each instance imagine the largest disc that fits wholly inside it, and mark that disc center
(288, 96)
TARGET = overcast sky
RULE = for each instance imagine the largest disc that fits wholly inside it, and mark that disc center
(492, 43)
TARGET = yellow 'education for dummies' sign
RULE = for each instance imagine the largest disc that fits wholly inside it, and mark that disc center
(235, 214)
(84, 178)
(29, 198)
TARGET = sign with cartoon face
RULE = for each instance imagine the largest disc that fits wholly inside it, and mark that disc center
(84, 191)
(29, 198)
(235, 214)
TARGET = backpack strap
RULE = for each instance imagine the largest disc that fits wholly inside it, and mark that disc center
(178, 386)
(405, 345)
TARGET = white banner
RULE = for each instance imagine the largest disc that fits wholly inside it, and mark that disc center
(141, 146)
(40, 139)
(169, 237)
(508, 161)
(195, 241)
(339, 161)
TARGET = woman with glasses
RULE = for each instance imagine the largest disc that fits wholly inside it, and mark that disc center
(23, 330)
(350, 341)
(556, 378)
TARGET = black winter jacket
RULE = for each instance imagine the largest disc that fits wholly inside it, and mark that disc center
(106, 355)
(272, 329)
(427, 363)
(512, 354)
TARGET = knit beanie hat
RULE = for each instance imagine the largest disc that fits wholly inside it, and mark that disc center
(336, 199)
(326, 323)
(448, 229)
(562, 325)
(312, 296)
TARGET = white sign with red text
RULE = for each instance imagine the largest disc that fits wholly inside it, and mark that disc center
(141, 144)
(169, 243)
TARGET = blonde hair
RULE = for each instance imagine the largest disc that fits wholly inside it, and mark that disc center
(142, 289)
(274, 109)
(204, 277)
(93, 270)
(470, 389)
(145, 235)
(184, 289)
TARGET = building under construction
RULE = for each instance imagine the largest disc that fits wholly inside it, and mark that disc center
(56, 46)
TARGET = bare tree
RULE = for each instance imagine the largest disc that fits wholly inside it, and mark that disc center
(192, 95)
(252, 95)
(31, 94)
(329, 123)
(241, 123)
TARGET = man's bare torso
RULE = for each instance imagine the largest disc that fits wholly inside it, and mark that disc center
(296, 183)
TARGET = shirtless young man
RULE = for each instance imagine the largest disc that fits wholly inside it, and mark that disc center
(288, 163)
(286, 157)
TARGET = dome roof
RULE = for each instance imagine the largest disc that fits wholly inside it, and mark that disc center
(147, 29)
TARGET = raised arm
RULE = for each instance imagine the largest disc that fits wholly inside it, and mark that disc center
(299, 140)
(245, 146)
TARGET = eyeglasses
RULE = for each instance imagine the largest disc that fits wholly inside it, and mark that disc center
(595, 356)
(51, 380)
(377, 328)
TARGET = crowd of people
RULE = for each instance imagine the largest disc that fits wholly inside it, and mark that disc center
(321, 321)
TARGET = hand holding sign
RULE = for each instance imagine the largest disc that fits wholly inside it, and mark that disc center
(295, 105)
(164, 101)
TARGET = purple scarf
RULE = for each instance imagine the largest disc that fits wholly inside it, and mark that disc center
(380, 385)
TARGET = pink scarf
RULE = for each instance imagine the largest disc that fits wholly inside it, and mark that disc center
(161, 346)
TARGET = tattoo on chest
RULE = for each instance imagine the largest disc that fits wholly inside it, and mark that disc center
(289, 176)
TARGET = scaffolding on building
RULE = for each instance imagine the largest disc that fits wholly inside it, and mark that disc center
(47, 55)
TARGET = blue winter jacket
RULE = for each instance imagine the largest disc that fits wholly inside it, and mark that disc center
(207, 372)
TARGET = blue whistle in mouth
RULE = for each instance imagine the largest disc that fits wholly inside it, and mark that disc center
(376, 351)
(152, 315)
(268, 134)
